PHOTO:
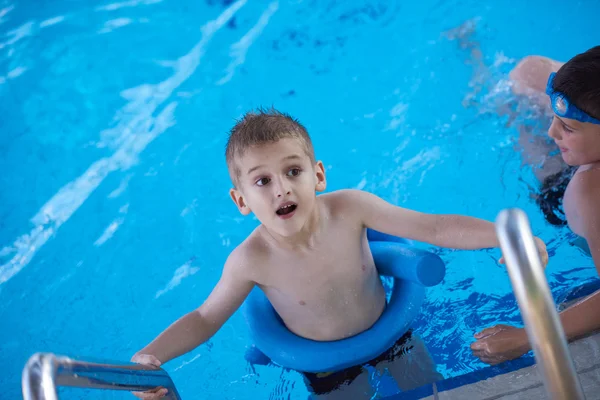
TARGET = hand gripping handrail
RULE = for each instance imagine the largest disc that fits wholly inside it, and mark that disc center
(44, 372)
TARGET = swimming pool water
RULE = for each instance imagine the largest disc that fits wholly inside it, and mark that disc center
(114, 213)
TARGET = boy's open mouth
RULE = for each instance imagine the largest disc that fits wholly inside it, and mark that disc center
(286, 208)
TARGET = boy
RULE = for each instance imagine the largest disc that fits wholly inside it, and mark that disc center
(310, 254)
(574, 92)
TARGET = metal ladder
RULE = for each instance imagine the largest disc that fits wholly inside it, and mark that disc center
(44, 372)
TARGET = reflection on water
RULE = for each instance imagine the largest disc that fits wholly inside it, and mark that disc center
(114, 213)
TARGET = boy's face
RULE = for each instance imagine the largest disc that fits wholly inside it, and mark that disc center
(277, 182)
(579, 142)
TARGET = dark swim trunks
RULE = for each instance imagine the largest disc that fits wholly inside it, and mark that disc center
(325, 382)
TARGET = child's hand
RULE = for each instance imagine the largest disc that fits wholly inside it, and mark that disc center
(156, 393)
(541, 248)
(148, 359)
(500, 343)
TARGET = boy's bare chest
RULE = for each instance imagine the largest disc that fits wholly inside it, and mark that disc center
(330, 267)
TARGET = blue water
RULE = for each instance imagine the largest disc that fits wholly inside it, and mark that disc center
(114, 213)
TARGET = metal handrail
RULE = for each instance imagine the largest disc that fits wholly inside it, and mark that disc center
(44, 372)
(542, 322)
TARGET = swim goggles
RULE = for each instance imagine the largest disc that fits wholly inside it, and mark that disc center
(564, 108)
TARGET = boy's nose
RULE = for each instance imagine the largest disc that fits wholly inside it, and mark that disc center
(554, 130)
(282, 189)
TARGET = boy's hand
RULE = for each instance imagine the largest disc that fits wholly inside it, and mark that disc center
(156, 393)
(148, 359)
(541, 247)
(500, 343)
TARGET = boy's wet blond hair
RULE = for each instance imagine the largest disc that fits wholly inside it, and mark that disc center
(260, 127)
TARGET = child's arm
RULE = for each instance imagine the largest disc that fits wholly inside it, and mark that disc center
(198, 326)
(504, 342)
(453, 231)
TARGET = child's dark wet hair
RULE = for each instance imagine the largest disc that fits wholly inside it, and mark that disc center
(551, 196)
(261, 127)
(579, 80)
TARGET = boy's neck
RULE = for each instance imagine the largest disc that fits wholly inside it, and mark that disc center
(307, 237)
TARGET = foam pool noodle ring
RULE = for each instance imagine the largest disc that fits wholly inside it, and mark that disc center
(413, 269)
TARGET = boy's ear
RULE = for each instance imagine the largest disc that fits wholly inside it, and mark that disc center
(238, 199)
(320, 175)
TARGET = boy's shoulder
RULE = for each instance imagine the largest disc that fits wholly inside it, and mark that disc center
(349, 200)
(586, 184)
(583, 193)
(255, 245)
(341, 197)
(252, 252)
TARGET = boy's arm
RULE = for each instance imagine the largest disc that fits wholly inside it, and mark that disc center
(198, 326)
(454, 231)
(504, 342)
(443, 230)
(582, 318)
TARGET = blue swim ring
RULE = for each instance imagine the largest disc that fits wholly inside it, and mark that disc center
(413, 269)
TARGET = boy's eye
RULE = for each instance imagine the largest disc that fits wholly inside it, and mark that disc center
(567, 129)
(263, 181)
(294, 172)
